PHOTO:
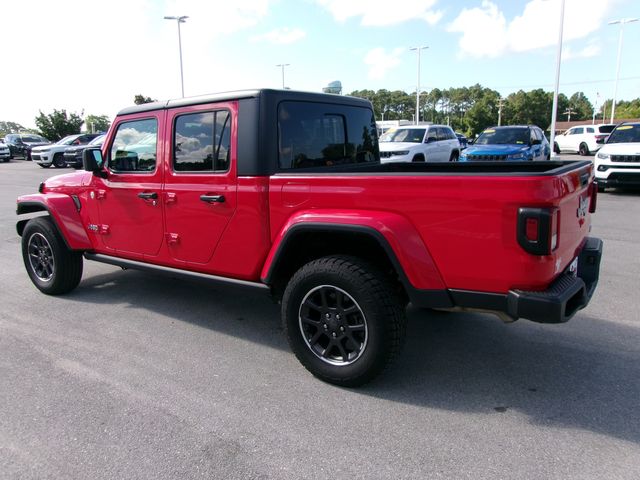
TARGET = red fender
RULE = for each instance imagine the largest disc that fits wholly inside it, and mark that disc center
(64, 213)
(399, 234)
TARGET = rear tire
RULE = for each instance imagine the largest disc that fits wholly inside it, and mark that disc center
(556, 148)
(53, 268)
(343, 319)
(583, 149)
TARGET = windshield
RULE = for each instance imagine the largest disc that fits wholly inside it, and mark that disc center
(413, 135)
(625, 134)
(504, 136)
(34, 139)
(67, 140)
(606, 128)
(98, 140)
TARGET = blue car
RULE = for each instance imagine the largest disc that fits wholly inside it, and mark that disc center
(511, 143)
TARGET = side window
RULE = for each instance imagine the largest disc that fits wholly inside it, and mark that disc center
(440, 134)
(432, 135)
(450, 134)
(324, 135)
(134, 147)
(590, 130)
(202, 142)
(578, 131)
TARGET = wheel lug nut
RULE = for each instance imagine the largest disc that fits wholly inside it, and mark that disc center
(334, 334)
(325, 326)
(342, 329)
(327, 316)
(338, 317)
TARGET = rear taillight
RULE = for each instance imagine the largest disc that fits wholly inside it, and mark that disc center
(538, 230)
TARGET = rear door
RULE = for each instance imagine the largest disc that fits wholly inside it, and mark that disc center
(200, 185)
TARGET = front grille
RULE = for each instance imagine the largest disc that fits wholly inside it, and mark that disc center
(385, 154)
(625, 158)
(35, 156)
(481, 158)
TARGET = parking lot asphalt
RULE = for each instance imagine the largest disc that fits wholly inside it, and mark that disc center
(137, 376)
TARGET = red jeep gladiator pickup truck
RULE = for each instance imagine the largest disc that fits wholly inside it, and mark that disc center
(285, 191)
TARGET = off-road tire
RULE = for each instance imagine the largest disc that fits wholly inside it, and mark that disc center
(52, 267)
(371, 329)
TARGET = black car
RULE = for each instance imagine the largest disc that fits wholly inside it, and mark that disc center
(20, 144)
(73, 155)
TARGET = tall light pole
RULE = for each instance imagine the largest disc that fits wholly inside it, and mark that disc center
(282, 65)
(180, 19)
(554, 111)
(622, 21)
(417, 49)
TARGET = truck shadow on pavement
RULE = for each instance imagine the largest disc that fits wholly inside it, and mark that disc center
(581, 375)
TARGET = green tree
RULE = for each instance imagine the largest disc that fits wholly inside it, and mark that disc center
(13, 127)
(58, 124)
(140, 99)
(97, 123)
(581, 108)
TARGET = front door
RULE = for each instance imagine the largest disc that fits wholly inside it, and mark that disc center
(129, 198)
(200, 185)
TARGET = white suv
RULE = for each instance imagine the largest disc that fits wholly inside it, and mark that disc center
(582, 138)
(618, 161)
(419, 143)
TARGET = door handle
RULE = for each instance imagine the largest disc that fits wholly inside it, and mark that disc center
(148, 195)
(212, 198)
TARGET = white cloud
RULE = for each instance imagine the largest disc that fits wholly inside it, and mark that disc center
(379, 61)
(378, 14)
(281, 36)
(486, 33)
(591, 50)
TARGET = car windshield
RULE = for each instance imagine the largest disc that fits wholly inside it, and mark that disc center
(413, 135)
(504, 136)
(606, 128)
(33, 139)
(98, 140)
(67, 140)
(625, 134)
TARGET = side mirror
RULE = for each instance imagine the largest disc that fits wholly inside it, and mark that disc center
(92, 161)
(536, 142)
(430, 139)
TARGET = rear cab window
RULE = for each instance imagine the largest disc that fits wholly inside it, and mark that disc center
(323, 135)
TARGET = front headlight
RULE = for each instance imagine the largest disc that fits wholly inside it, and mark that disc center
(400, 153)
(517, 156)
(603, 156)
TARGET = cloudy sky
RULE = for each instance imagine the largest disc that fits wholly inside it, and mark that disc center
(94, 56)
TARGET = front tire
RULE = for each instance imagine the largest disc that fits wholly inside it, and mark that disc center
(343, 319)
(556, 148)
(53, 268)
(418, 158)
(58, 160)
(454, 157)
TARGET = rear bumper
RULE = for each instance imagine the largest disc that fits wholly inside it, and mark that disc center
(569, 293)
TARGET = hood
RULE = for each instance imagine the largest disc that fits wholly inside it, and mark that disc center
(395, 146)
(620, 148)
(38, 147)
(75, 179)
(36, 144)
(495, 149)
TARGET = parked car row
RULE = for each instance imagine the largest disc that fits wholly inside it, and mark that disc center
(508, 143)
(53, 154)
(21, 144)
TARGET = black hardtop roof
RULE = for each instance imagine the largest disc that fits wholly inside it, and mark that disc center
(241, 94)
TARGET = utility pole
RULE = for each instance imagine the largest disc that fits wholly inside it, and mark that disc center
(282, 65)
(554, 108)
(417, 49)
(568, 113)
(500, 105)
(615, 90)
(180, 19)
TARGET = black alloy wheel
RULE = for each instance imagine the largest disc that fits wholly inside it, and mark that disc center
(583, 149)
(343, 319)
